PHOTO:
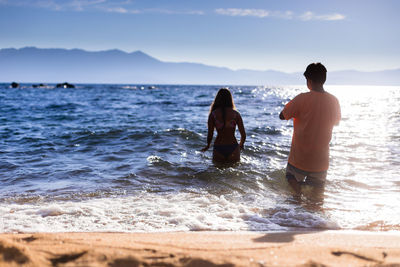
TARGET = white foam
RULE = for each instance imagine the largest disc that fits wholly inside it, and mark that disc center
(149, 212)
(153, 159)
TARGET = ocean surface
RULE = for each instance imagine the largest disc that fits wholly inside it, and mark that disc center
(126, 158)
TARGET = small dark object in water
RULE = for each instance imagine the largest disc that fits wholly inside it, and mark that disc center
(40, 85)
(152, 87)
(65, 85)
(14, 85)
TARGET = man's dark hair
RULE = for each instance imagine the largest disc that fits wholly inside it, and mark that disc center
(316, 72)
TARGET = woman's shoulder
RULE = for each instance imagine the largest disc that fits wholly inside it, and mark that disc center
(236, 112)
(218, 111)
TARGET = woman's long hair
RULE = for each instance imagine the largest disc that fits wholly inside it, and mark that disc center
(223, 100)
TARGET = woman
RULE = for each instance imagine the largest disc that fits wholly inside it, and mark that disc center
(224, 118)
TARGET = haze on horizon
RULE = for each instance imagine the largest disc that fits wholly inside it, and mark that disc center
(259, 35)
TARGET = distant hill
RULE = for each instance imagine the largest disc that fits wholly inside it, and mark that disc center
(37, 65)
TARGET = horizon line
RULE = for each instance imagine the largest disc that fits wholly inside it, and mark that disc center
(199, 84)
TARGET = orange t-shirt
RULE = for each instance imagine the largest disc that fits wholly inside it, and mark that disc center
(314, 115)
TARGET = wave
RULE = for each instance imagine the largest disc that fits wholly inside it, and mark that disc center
(95, 137)
(149, 212)
(184, 134)
(267, 130)
(7, 166)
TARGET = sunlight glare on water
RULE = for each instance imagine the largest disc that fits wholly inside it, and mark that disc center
(365, 164)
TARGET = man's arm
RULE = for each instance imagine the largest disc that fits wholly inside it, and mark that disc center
(290, 109)
(338, 113)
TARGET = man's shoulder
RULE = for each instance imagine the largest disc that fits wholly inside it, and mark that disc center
(317, 96)
(301, 96)
(332, 97)
(325, 94)
(330, 94)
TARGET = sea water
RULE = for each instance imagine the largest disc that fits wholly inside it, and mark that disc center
(126, 158)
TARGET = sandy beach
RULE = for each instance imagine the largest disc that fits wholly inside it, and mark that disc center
(325, 248)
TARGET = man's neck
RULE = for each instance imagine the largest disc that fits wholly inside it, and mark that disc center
(319, 89)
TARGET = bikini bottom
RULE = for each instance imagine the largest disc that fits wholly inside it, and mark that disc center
(225, 150)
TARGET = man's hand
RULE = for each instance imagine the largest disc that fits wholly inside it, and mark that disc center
(281, 116)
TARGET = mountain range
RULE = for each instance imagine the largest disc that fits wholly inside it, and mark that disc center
(37, 65)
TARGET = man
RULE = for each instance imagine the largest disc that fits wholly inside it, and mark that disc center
(314, 114)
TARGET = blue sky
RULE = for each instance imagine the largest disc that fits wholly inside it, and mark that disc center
(282, 35)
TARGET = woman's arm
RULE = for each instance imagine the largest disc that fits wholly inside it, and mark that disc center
(241, 130)
(210, 134)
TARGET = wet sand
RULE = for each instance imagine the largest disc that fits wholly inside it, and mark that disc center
(195, 249)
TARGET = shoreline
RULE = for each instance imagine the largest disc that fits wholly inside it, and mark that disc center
(295, 248)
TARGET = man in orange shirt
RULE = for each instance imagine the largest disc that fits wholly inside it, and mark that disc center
(314, 114)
